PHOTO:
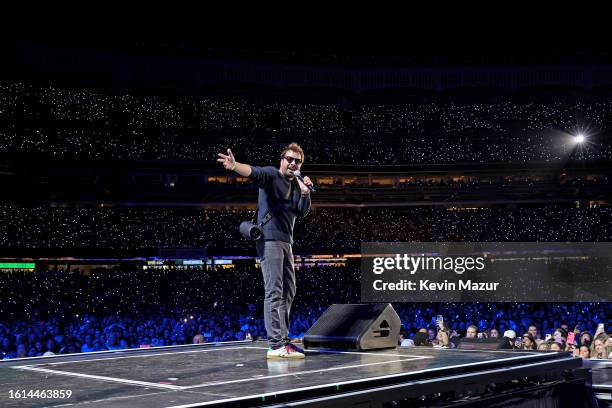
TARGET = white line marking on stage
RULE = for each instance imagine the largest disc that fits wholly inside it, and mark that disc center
(360, 353)
(204, 403)
(99, 377)
(226, 348)
(205, 346)
(36, 367)
(320, 370)
(144, 355)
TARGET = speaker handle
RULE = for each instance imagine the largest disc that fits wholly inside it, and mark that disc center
(380, 332)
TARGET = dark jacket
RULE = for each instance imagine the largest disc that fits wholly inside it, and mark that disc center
(283, 197)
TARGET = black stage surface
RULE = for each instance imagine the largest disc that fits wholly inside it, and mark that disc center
(602, 379)
(238, 374)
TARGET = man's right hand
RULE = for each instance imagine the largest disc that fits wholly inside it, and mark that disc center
(229, 162)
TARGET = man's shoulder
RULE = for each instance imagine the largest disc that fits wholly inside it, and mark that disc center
(271, 170)
(268, 170)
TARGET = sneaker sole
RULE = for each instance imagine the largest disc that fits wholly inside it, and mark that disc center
(286, 357)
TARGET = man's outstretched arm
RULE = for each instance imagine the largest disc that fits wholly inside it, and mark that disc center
(230, 163)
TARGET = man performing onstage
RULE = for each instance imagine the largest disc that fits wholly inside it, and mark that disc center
(286, 197)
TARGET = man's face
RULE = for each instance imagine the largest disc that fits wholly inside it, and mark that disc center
(533, 331)
(289, 163)
(471, 333)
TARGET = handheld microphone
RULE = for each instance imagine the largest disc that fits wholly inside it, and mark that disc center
(299, 176)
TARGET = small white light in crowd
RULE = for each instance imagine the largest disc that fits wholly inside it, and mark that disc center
(579, 138)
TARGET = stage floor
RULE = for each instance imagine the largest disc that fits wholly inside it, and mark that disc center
(236, 373)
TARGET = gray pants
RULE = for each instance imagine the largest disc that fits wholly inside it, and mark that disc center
(279, 283)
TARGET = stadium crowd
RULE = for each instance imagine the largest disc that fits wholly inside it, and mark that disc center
(323, 230)
(69, 311)
(66, 123)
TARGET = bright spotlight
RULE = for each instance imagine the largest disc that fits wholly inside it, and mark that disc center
(579, 138)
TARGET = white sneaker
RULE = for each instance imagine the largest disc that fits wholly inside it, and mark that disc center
(284, 352)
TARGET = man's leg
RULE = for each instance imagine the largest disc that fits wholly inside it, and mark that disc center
(288, 290)
(271, 254)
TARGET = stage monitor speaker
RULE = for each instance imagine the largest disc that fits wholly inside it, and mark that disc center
(478, 344)
(355, 327)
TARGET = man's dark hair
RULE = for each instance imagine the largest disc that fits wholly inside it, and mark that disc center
(294, 147)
